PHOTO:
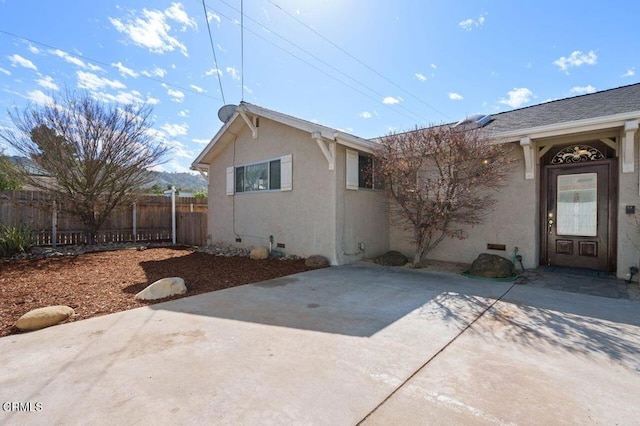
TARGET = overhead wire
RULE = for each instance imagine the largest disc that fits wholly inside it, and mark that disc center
(106, 64)
(310, 28)
(414, 115)
(213, 49)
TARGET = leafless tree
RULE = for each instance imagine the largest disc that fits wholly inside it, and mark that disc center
(440, 180)
(99, 154)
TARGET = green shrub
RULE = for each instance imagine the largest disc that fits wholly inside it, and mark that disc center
(14, 240)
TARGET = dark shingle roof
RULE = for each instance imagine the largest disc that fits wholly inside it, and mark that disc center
(599, 104)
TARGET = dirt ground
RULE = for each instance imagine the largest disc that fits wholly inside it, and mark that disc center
(101, 283)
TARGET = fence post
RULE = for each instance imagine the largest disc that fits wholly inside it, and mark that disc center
(54, 225)
(173, 214)
(135, 223)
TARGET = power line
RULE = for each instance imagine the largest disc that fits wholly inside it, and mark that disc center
(97, 61)
(215, 59)
(415, 116)
(356, 59)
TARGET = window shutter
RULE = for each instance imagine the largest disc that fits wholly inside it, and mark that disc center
(285, 173)
(230, 183)
(352, 169)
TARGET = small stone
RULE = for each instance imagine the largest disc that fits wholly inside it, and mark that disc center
(163, 288)
(492, 266)
(259, 253)
(43, 317)
(391, 258)
(316, 262)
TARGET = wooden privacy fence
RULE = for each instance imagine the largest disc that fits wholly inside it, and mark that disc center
(147, 220)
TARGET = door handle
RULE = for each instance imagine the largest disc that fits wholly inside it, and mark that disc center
(550, 225)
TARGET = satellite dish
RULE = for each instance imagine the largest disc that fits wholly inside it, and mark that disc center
(226, 112)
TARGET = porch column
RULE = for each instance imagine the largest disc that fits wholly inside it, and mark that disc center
(630, 128)
(529, 157)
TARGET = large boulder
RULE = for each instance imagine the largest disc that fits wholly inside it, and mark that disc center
(492, 266)
(163, 288)
(391, 258)
(44, 317)
(316, 262)
(259, 253)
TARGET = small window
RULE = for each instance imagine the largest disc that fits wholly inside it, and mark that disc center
(258, 177)
(366, 173)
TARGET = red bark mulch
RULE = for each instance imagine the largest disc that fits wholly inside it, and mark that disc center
(101, 283)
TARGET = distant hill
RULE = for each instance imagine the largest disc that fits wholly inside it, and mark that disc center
(182, 181)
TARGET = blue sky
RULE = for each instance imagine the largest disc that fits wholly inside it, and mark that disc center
(365, 67)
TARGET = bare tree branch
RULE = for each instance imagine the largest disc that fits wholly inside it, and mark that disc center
(98, 153)
(440, 180)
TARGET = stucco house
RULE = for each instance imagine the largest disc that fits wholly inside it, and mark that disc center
(570, 200)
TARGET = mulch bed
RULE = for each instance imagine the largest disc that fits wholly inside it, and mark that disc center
(101, 283)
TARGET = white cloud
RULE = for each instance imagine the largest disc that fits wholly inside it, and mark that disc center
(74, 60)
(47, 82)
(212, 71)
(247, 89)
(201, 141)
(420, 76)
(197, 88)
(455, 96)
(132, 97)
(576, 59)
(365, 114)
(176, 95)
(177, 13)
(156, 72)
(19, 61)
(517, 97)
(213, 17)
(39, 97)
(33, 49)
(124, 71)
(174, 130)
(390, 100)
(151, 29)
(7, 72)
(630, 72)
(583, 90)
(184, 113)
(87, 80)
(434, 66)
(233, 73)
(469, 24)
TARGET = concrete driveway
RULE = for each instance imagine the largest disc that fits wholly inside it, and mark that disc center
(337, 346)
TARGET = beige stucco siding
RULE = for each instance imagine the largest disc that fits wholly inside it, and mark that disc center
(512, 222)
(302, 219)
(628, 253)
(361, 217)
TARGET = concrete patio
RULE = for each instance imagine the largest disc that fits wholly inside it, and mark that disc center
(338, 346)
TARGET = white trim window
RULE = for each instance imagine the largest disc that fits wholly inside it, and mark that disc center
(271, 175)
(361, 171)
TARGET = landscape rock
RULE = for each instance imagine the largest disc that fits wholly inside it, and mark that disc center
(163, 288)
(391, 258)
(43, 317)
(259, 253)
(492, 266)
(316, 262)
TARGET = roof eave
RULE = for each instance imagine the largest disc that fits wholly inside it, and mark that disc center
(559, 129)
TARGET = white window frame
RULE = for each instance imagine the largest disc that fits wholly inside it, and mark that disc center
(285, 175)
